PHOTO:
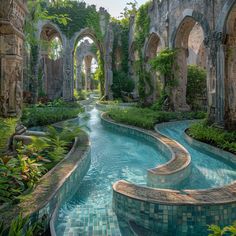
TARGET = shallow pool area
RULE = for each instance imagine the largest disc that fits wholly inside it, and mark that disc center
(115, 156)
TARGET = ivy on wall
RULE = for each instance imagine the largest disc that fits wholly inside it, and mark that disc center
(81, 16)
(142, 25)
(121, 80)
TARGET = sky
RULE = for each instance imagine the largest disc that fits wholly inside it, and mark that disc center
(114, 7)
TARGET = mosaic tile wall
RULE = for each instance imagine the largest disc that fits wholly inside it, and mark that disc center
(69, 186)
(173, 220)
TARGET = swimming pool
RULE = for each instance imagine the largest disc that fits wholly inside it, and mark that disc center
(115, 156)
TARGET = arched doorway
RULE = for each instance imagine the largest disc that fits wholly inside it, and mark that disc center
(86, 65)
(230, 70)
(50, 73)
(96, 52)
(153, 47)
(191, 58)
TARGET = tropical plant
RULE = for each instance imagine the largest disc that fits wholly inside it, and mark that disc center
(11, 180)
(196, 86)
(218, 231)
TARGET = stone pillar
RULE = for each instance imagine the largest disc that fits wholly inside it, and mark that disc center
(178, 96)
(79, 80)
(108, 63)
(216, 75)
(88, 61)
(68, 71)
(12, 17)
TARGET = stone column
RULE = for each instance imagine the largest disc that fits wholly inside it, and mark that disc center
(216, 75)
(79, 80)
(68, 71)
(12, 17)
(108, 63)
(178, 96)
(88, 61)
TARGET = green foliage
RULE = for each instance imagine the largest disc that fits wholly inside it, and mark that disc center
(99, 73)
(166, 64)
(147, 118)
(47, 114)
(159, 104)
(142, 25)
(220, 138)
(218, 231)
(81, 16)
(59, 141)
(196, 86)
(121, 83)
(7, 129)
(20, 226)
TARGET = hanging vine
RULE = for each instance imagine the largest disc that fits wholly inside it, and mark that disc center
(142, 25)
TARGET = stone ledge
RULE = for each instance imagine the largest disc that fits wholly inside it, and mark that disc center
(54, 187)
(223, 195)
(171, 173)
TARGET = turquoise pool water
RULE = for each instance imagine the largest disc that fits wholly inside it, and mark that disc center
(114, 157)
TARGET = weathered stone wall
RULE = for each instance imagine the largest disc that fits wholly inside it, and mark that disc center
(173, 21)
(12, 17)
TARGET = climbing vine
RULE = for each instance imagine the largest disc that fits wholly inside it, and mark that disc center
(121, 81)
(81, 16)
(166, 64)
(142, 25)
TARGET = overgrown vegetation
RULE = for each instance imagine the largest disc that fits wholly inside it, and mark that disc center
(196, 87)
(142, 24)
(225, 140)
(147, 118)
(216, 230)
(166, 64)
(20, 171)
(44, 114)
(7, 129)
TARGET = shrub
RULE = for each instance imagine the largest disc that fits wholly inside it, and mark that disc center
(220, 138)
(121, 83)
(41, 116)
(196, 86)
(147, 118)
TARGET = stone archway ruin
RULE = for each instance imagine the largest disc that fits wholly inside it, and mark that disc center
(50, 70)
(189, 42)
(230, 70)
(153, 47)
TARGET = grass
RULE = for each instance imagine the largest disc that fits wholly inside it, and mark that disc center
(41, 116)
(147, 118)
(222, 139)
(7, 129)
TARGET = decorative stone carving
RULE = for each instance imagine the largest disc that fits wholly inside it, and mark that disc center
(12, 16)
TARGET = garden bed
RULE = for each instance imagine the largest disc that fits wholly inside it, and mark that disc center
(147, 118)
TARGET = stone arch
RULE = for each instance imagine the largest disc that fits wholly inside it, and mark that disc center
(194, 15)
(152, 47)
(224, 14)
(84, 56)
(229, 69)
(86, 32)
(189, 51)
(51, 70)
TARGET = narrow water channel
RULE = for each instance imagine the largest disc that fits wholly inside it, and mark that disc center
(114, 157)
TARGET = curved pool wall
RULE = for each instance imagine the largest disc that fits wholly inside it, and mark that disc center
(54, 187)
(173, 212)
(169, 174)
(165, 212)
(114, 156)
